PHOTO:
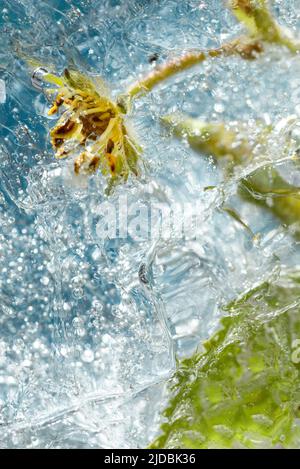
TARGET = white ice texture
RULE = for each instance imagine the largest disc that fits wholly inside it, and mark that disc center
(90, 328)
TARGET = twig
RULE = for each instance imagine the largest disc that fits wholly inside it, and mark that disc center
(243, 47)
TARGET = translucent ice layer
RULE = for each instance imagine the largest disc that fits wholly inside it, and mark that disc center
(91, 325)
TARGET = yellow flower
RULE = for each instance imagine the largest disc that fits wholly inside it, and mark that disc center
(91, 129)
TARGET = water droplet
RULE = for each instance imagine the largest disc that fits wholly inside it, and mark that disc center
(219, 108)
(45, 280)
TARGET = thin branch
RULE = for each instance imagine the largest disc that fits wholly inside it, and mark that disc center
(243, 47)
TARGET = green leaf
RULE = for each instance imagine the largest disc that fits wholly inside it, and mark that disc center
(243, 390)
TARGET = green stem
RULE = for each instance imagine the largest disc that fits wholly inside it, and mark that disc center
(257, 17)
(264, 185)
(243, 47)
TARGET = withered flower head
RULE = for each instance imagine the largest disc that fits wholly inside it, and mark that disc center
(92, 129)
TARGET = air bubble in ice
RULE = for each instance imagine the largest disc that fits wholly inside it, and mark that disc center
(87, 356)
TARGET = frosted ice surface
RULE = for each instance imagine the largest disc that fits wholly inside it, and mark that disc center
(90, 327)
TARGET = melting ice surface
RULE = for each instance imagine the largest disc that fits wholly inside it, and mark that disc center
(86, 343)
